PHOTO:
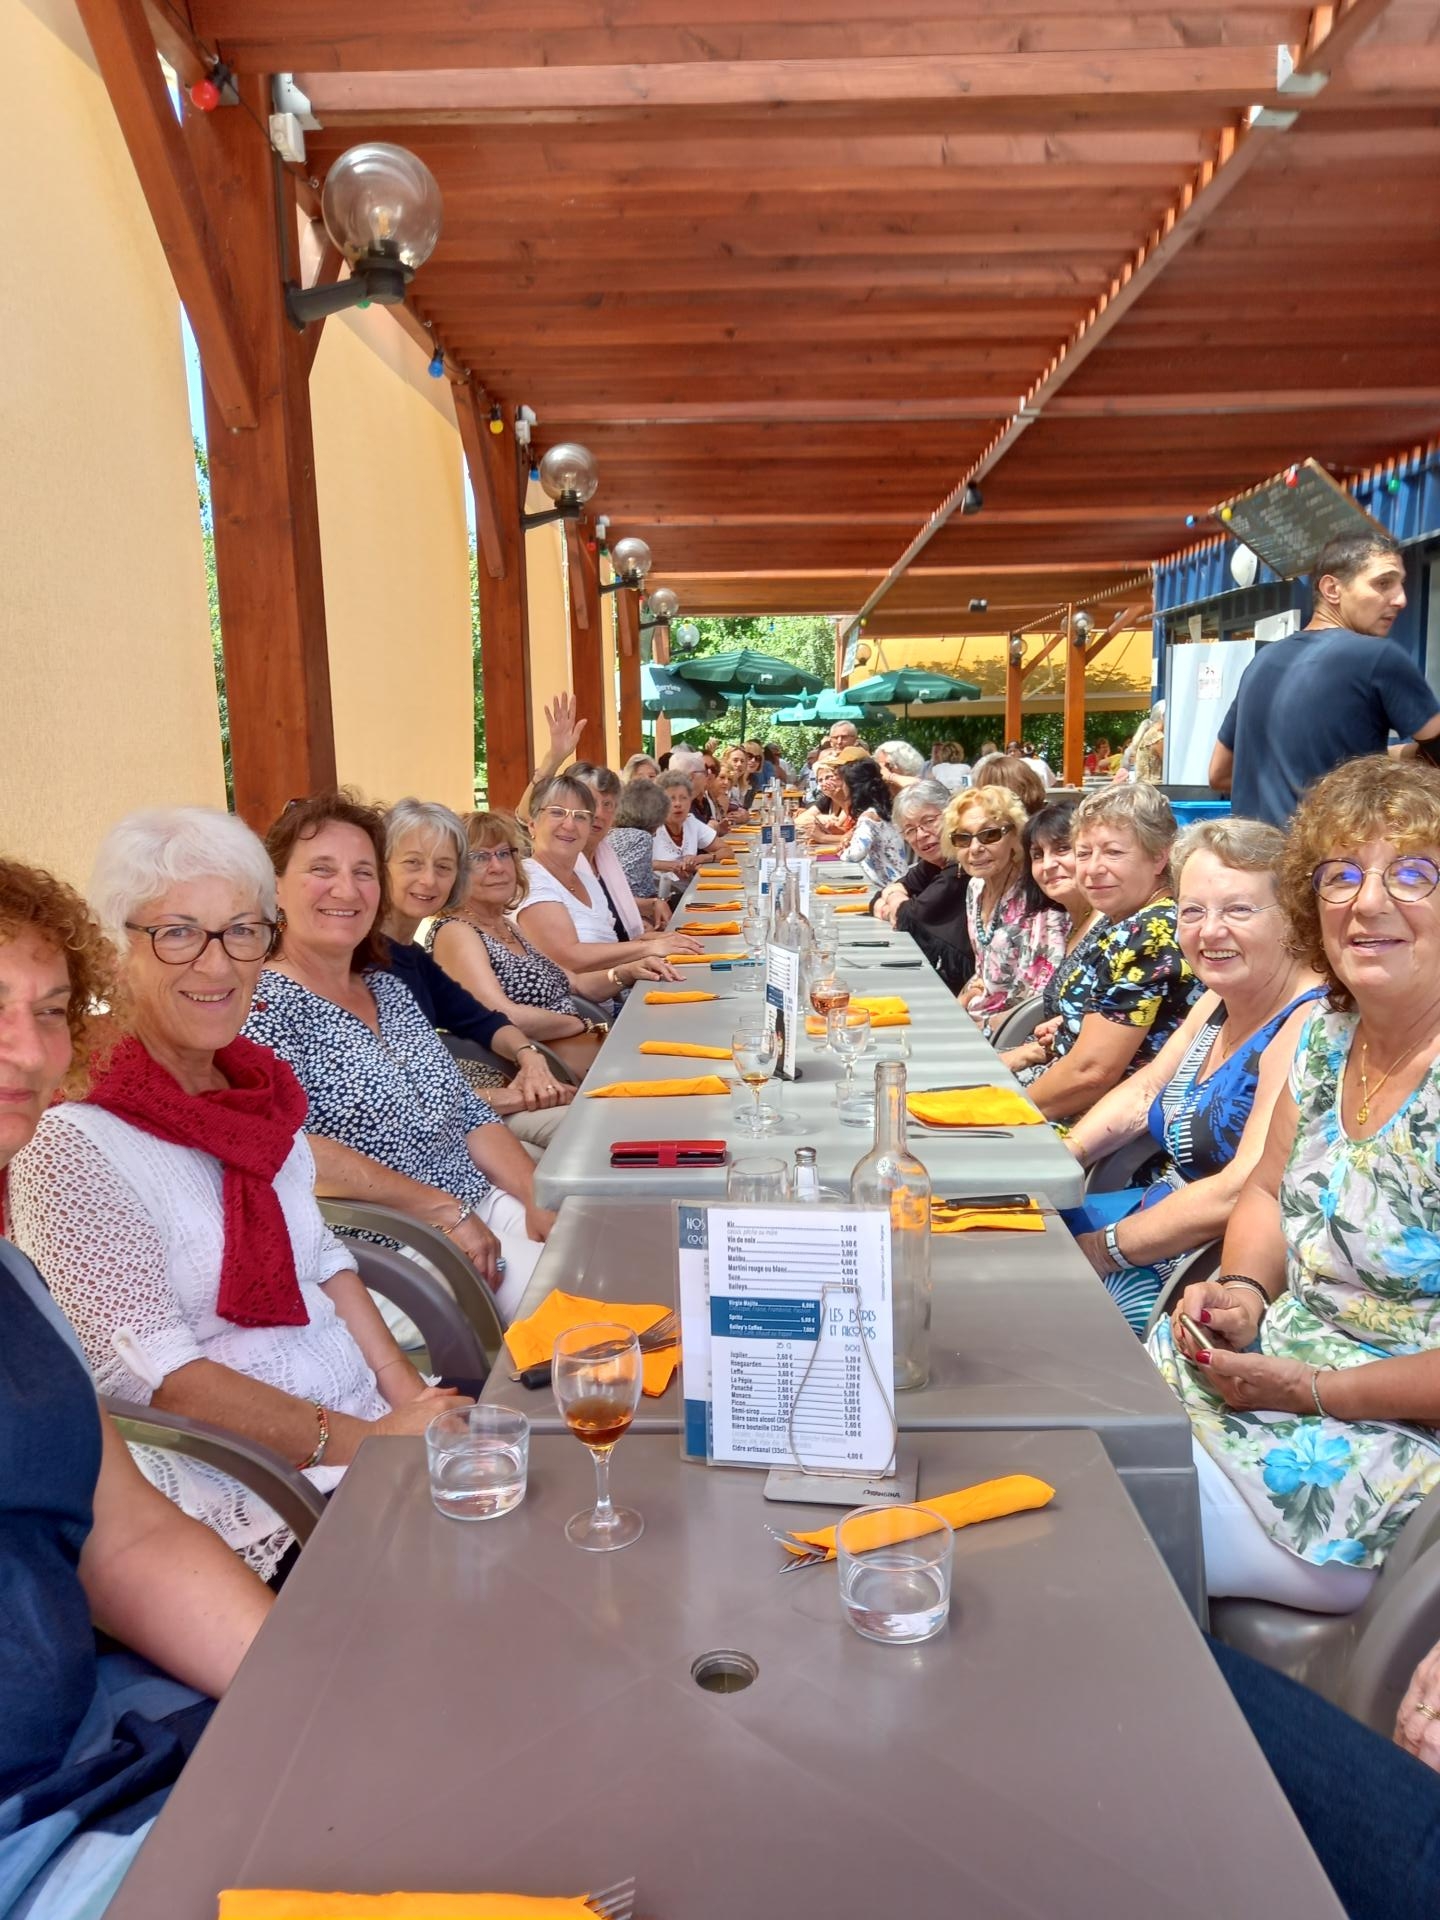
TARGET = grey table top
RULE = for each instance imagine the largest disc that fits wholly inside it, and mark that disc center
(1023, 1336)
(945, 1049)
(435, 1705)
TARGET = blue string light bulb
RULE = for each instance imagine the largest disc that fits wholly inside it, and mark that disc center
(1392, 483)
(436, 368)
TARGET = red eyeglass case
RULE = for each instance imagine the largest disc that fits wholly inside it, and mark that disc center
(668, 1153)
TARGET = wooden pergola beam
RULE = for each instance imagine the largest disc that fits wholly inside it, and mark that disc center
(499, 493)
(587, 631)
(627, 638)
(124, 47)
(472, 417)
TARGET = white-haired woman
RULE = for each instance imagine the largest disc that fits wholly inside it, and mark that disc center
(640, 767)
(1207, 1096)
(1126, 987)
(899, 763)
(683, 843)
(172, 1210)
(928, 900)
(428, 859)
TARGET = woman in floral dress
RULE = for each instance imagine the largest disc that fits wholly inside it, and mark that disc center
(1018, 936)
(1316, 1401)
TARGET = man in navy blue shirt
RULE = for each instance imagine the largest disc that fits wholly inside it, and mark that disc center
(1330, 693)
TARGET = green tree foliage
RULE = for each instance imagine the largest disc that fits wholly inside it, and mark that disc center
(480, 759)
(212, 598)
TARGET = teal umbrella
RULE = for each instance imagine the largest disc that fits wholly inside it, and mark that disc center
(663, 691)
(750, 675)
(824, 709)
(909, 685)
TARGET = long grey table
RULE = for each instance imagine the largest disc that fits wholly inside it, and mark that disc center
(1024, 1336)
(436, 1705)
(945, 1049)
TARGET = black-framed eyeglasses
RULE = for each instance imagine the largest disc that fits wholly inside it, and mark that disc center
(178, 945)
(1408, 879)
(987, 836)
(482, 856)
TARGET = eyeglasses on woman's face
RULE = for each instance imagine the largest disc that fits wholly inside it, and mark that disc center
(482, 857)
(987, 836)
(557, 816)
(1408, 879)
(178, 945)
(754, 759)
(1236, 914)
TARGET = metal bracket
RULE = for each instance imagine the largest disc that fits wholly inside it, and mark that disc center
(1273, 117)
(1288, 80)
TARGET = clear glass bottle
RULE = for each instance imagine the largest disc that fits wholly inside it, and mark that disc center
(891, 1176)
(788, 962)
(805, 1176)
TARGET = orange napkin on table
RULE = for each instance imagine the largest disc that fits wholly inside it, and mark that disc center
(255, 1903)
(842, 890)
(531, 1342)
(657, 1089)
(884, 1009)
(859, 906)
(711, 929)
(991, 1500)
(686, 1048)
(971, 1219)
(977, 1107)
(702, 959)
(715, 906)
(716, 886)
(676, 999)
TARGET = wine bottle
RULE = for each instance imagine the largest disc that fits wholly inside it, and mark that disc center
(787, 959)
(890, 1176)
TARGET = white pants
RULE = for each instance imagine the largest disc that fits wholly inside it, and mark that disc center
(1242, 1561)
(505, 1217)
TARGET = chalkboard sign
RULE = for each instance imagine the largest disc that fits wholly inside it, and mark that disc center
(1288, 520)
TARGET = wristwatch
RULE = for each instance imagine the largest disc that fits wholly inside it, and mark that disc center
(528, 1046)
(1111, 1238)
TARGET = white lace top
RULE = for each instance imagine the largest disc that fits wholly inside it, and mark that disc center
(128, 1231)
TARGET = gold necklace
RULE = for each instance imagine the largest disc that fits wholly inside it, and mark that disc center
(1362, 1112)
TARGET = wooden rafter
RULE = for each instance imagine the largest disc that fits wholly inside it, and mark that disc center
(316, 246)
(1334, 30)
(124, 48)
(472, 418)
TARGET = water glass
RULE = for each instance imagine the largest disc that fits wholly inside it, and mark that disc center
(758, 1181)
(747, 976)
(755, 928)
(478, 1458)
(895, 1565)
(848, 1035)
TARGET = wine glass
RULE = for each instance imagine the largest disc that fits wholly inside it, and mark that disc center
(753, 1048)
(598, 1374)
(828, 994)
(848, 1033)
(755, 929)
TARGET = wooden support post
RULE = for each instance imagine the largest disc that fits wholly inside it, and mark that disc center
(1014, 690)
(494, 463)
(587, 633)
(262, 480)
(660, 654)
(1073, 764)
(627, 632)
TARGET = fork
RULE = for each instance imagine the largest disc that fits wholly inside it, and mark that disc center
(805, 1553)
(614, 1903)
(663, 1334)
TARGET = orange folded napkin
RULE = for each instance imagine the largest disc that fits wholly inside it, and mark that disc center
(991, 1500)
(884, 1009)
(657, 1089)
(711, 929)
(716, 906)
(256, 1903)
(1030, 1219)
(715, 886)
(975, 1107)
(702, 959)
(823, 889)
(676, 999)
(531, 1342)
(856, 906)
(686, 1049)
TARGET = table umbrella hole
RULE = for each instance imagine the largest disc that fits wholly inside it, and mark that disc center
(724, 1671)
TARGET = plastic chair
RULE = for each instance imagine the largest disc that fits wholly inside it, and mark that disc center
(460, 1048)
(269, 1477)
(1020, 1024)
(469, 1291)
(454, 1345)
(1119, 1168)
(1203, 1264)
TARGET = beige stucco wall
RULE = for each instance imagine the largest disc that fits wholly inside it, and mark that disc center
(548, 607)
(389, 477)
(107, 695)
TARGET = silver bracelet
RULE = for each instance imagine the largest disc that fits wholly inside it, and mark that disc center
(1243, 1280)
(1315, 1373)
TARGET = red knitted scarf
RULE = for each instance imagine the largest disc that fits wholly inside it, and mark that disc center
(250, 1128)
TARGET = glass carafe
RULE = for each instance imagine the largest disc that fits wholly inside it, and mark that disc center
(891, 1176)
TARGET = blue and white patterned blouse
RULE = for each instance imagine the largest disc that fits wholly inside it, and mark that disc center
(396, 1096)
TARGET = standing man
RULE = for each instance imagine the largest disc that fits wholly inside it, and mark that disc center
(1330, 693)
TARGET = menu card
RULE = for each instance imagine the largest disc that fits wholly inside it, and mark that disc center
(787, 1336)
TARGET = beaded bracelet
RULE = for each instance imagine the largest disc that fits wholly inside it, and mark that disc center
(322, 1420)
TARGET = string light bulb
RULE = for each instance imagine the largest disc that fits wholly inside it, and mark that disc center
(205, 95)
(497, 420)
(1392, 483)
(1292, 478)
(436, 368)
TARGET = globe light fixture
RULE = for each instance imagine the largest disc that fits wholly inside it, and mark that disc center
(569, 475)
(664, 605)
(381, 207)
(685, 638)
(632, 560)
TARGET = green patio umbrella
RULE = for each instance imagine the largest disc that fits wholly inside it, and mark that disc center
(907, 686)
(749, 675)
(663, 691)
(823, 709)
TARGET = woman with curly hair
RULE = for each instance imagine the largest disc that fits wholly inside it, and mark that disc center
(88, 1541)
(1315, 1400)
(876, 846)
(1016, 933)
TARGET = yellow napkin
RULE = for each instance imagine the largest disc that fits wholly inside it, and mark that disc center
(676, 999)
(716, 886)
(686, 1049)
(841, 889)
(657, 1089)
(531, 1341)
(991, 1500)
(969, 1219)
(717, 906)
(702, 959)
(711, 929)
(254, 1903)
(858, 906)
(884, 1009)
(979, 1107)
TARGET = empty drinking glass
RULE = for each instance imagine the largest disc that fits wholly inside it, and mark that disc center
(478, 1459)
(747, 976)
(758, 1181)
(895, 1565)
(848, 1034)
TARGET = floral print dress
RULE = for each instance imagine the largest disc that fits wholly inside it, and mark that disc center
(1016, 951)
(1130, 971)
(1362, 1231)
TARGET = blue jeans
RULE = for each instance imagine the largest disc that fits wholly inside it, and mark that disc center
(1370, 1811)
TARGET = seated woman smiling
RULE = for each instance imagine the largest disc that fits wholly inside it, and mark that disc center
(172, 1210)
(1314, 1449)
(1207, 1096)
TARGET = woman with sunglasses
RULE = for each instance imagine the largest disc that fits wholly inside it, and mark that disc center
(565, 913)
(1314, 1395)
(1018, 937)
